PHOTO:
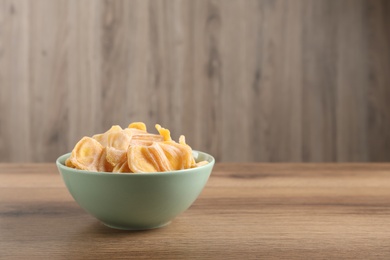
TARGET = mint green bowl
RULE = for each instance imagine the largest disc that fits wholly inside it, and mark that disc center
(136, 201)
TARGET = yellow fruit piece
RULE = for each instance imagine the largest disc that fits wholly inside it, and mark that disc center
(117, 144)
(104, 165)
(119, 140)
(139, 137)
(69, 163)
(185, 154)
(201, 163)
(115, 156)
(138, 125)
(146, 139)
(86, 155)
(173, 155)
(165, 133)
(182, 141)
(103, 138)
(159, 157)
(140, 159)
(161, 160)
(122, 167)
(134, 131)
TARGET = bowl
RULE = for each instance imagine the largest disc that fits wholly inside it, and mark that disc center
(136, 201)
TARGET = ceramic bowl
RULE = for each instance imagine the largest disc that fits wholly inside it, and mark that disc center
(136, 201)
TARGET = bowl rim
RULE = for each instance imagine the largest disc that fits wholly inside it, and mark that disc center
(65, 156)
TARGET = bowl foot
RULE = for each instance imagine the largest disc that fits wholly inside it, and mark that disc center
(136, 228)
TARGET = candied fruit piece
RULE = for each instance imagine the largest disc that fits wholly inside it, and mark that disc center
(145, 139)
(138, 125)
(140, 159)
(173, 155)
(134, 131)
(185, 154)
(139, 137)
(86, 154)
(69, 163)
(103, 138)
(160, 156)
(182, 140)
(103, 164)
(122, 167)
(201, 163)
(117, 144)
(164, 132)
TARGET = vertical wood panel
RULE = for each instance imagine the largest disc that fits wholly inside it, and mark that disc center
(163, 95)
(378, 93)
(352, 82)
(14, 81)
(291, 86)
(255, 74)
(277, 82)
(208, 77)
(234, 91)
(49, 36)
(116, 20)
(84, 77)
(319, 80)
(139, 106)
(256, 80)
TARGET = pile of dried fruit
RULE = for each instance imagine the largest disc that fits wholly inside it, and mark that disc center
(132, 149)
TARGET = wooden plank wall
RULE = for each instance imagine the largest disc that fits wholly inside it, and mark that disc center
(255, 80)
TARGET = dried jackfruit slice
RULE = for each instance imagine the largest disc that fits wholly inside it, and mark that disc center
(86, 155)
(139, 137)
(157, 153)
(138, 125)
(117, 144)
(134, 131)
(201, 163)
(185, 154)
(103, 138)
(159, 157)
(69, 163)
(182, 141)
(104, 165)
(115, 156)
(122, 167)
(173, 155)
(119, 141)
(140, 159)
(145, 139)
(165, 133)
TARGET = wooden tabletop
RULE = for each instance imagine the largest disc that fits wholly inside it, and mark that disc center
(246, 211)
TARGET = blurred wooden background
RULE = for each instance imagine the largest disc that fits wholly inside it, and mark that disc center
(256, 80)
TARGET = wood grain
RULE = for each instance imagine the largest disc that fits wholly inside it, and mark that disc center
(246, 211)
(256, 80)
(15, 102)
(319, 81)
(378, 91)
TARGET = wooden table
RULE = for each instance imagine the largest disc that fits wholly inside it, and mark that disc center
(246, 211)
